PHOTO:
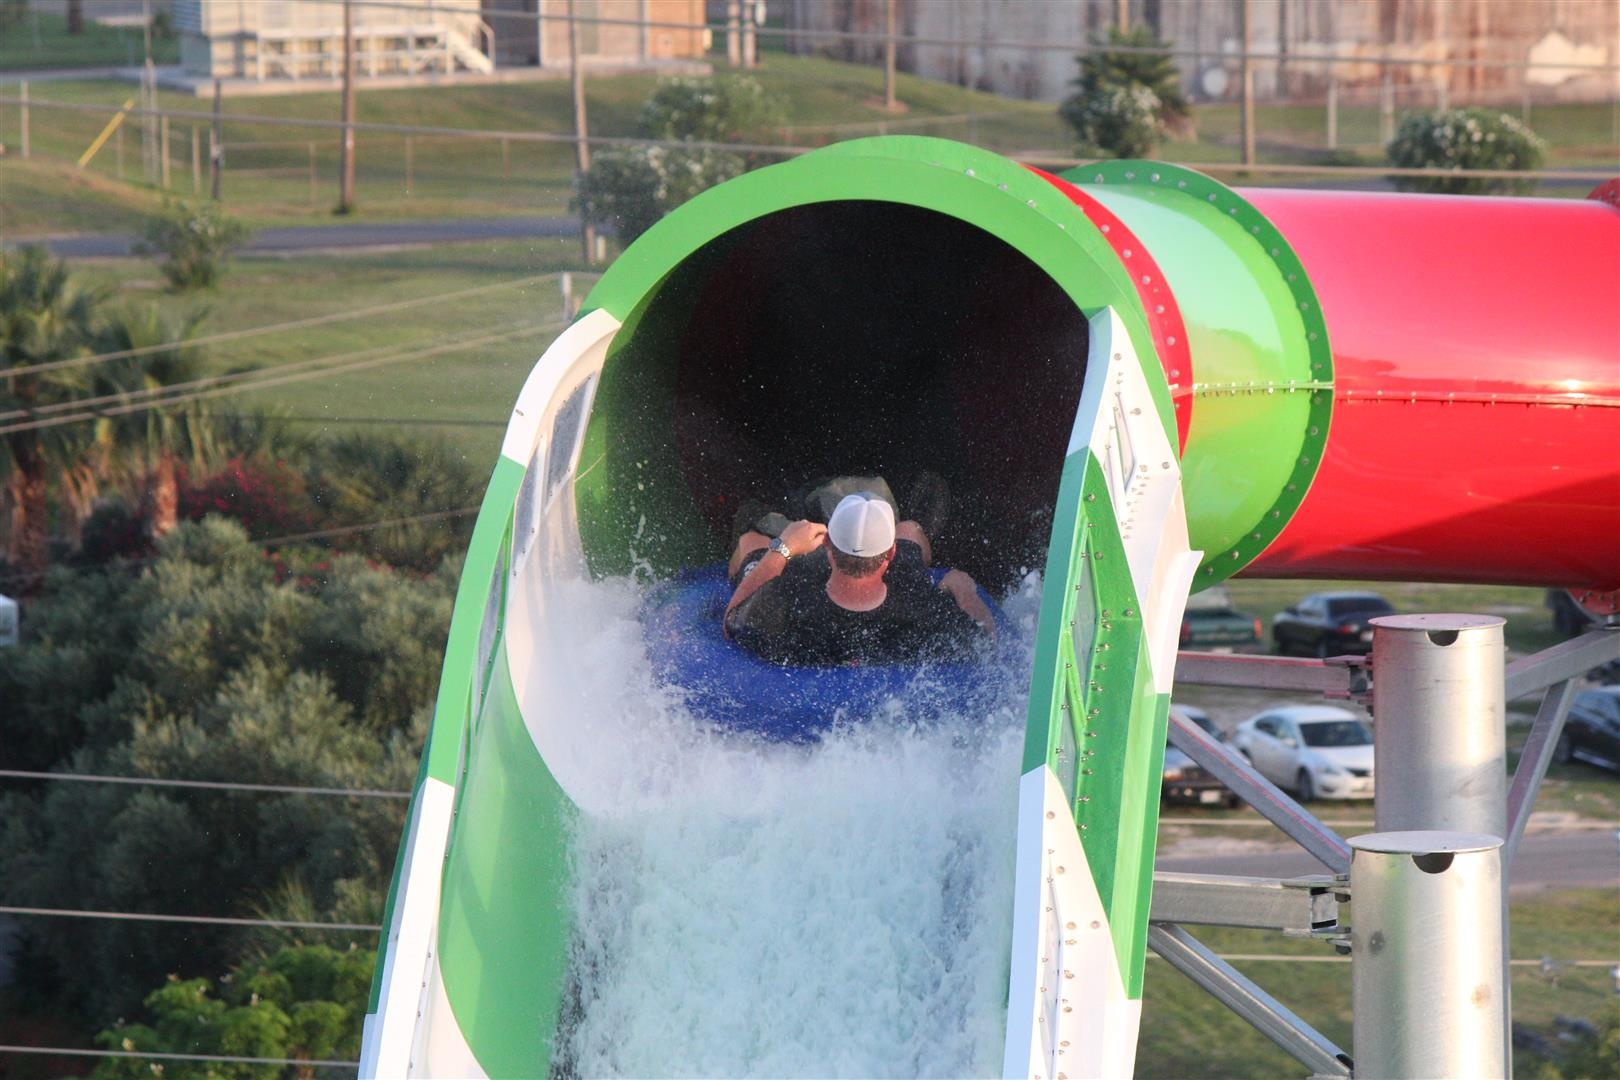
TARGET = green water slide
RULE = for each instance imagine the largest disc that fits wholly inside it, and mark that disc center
(974, 317)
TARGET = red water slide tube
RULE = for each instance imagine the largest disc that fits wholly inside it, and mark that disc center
(1476, 424)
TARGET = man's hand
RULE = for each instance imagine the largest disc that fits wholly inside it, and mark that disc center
(800, 537)
(965, 592)
(803, 536)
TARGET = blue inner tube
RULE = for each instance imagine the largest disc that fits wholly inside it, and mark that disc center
(731, 687)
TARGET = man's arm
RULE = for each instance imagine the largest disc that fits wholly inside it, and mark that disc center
(801, 537)
(966, 594)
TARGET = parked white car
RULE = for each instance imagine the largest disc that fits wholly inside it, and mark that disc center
(1316, 751)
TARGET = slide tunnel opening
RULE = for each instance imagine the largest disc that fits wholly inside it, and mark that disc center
(855, 337)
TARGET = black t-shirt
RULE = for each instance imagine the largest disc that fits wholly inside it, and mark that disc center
(792, 620)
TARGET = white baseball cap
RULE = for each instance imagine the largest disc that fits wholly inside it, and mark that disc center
(862, 525)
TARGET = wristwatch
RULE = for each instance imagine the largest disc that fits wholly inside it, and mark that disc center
(779, 546)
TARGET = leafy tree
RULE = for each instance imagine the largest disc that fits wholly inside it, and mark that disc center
(364, 479)
(1125, 102)
(1461, 140)
(306, 1001)
(207, 666)
(627, 190)
(149, 445)
(196, 239)
(44, 317)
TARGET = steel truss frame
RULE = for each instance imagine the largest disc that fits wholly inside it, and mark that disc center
(1309, 906)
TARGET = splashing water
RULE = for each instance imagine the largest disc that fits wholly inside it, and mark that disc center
(755, 909)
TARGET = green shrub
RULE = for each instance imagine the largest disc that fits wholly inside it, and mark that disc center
(196, 240)
(627, 190)
(1464, 139)
(1125, 102)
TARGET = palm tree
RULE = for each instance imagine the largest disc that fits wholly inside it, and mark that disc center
(44, 317)
(148, 445)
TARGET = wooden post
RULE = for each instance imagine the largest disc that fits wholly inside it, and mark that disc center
(733, 31)
(216, 143)
(410, 163)
(23, 94)
(118, 144)
(196, 160)
(1122, 15)
(163, 149)
(506, 159)
(312, 185)
(1333, 109)
(582, 147)
(888, 61)
(1386, 106)
(346, 152)
(750, 40)
(1248, 85)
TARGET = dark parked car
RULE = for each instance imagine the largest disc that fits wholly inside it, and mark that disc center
(1329, 624)
(1212, 625)
(1185, 781)
(1592, 732)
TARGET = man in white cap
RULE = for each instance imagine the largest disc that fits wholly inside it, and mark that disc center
(854, 591)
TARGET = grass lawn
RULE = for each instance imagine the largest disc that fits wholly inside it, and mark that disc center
(40, 40)
(1186, 1033)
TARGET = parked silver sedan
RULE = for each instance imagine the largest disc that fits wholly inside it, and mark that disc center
(1316, 751)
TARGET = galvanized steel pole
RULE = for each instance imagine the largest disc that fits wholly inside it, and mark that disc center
(1426, 952)
(1439, 739)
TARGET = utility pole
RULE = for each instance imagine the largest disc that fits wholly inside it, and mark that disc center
(216, 143)
(1122, 15)
(582, 148)
(346, 152)
(149, 147)
(733, 31)
(750, 28)
(1248, 84)
(888, 61)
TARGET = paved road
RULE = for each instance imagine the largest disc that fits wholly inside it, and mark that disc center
(1583, 858)
(354, 238)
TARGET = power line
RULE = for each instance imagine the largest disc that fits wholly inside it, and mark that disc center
(244, 381)
(419, 421)
(198, 920)
(409, 129)
(274, 328)
(68, 1051)
(785, 150)
(275, 541)
(211, 785)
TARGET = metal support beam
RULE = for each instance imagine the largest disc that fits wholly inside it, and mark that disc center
(1237, 992)
(1533, 762)
(1227, 766)
(1427, 974)
(1298, 906)
(1337, 677)
(1564, 661)
(1440, 737)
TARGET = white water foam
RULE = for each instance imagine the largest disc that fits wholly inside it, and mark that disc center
(754, 909)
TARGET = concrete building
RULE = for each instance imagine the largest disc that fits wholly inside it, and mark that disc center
(1453, 39)
(282, 40)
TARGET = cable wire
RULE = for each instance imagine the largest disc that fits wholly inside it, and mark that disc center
(274, 328)
(68, 1051)
(210, 785)
(274, 376)
(200, 920)
(275, 541)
